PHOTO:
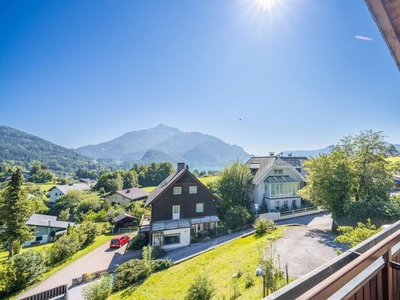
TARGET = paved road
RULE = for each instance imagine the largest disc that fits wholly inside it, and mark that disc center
(299, 241)
(99, 259)
(102, 257)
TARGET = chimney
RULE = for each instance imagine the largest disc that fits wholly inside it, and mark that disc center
(181, 165)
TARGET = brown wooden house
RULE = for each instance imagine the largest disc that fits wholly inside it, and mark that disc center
(180, 205)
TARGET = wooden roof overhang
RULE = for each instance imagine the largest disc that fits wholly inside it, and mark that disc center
(386, 14)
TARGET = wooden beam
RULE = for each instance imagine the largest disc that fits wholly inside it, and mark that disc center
(385, 25)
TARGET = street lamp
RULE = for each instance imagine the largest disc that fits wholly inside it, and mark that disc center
(260, 271)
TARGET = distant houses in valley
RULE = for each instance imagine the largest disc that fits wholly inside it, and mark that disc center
(60, 190)
(126, 196)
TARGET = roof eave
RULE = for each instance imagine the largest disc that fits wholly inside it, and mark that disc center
(386, 28)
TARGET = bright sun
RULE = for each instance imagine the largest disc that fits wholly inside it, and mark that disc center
(265, 4)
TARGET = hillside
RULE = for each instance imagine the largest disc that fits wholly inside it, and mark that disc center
(24, 148)
(164, 143)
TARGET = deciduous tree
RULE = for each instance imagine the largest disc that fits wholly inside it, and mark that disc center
(232, 187)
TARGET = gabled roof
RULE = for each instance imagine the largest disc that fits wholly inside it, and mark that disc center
(123, 216)
(72, 187)
(46, 220)
(169, 181)
(260, 165)
(133, 193)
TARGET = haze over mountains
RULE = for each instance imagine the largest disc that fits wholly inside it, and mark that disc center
(158, 144)
(165, 143)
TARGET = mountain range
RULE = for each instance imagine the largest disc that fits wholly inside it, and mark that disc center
(158, 144)
(165, 143)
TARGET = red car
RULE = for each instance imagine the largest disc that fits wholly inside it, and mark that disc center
(119, 240)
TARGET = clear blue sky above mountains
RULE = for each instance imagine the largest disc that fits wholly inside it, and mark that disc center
(293, 77)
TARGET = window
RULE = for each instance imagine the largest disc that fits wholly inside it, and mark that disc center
(39, 238)
(285, 204)
(276, 204)
(278, 172)
(172, 239)
(56, 194)
(294, 205)
(193, 189)
(177, 190)
(199, 207)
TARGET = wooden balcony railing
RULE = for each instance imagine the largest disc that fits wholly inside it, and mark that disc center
(367, 271)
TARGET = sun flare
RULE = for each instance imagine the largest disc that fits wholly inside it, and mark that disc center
(265, 4)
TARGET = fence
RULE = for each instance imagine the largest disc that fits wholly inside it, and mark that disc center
(276, 216)
(92, 275)
(126, 229)
(367, 271)
(58, 291)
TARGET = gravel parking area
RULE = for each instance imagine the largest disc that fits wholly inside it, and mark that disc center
(307, 247)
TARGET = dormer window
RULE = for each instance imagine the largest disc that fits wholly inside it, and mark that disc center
(193, 189)
(278, 172)
(177, 190)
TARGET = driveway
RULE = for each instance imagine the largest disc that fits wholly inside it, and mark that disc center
(308, 246)
(99, 259)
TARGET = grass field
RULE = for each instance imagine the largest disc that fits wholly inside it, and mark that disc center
(393, 159)
(221, 263)
(205, 180)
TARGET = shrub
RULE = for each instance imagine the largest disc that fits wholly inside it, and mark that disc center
(248, 280)
(202, 288)
(262, 226)
(138, 242)
(353, 236)
(236, 216)
(130, 273)
(65, 247)
(157, 252)
(161, 264)
(22, 270)
(90, 230)
(99, 290)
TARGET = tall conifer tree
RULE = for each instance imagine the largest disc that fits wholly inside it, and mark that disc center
(14, 212)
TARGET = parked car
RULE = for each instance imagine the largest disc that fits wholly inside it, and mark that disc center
(119, 240)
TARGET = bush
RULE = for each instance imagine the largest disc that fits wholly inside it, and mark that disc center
(201, 289)
(236, 216)
(353, 236)
(130, 273)
(65, 247)
(157, 252)
(262, 226)
(161, 264)
(99, 290)
(138, 242)
(22, 270)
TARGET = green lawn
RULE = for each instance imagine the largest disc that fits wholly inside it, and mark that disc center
(205, 180)
(149, 189)
(221, 263)
(393, 159)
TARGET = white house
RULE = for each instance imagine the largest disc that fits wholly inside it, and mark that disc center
(60, 190)
(42, 226)
(277, 180)
(126, 196)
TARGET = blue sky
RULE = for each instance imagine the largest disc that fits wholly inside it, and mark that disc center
(292, 77)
